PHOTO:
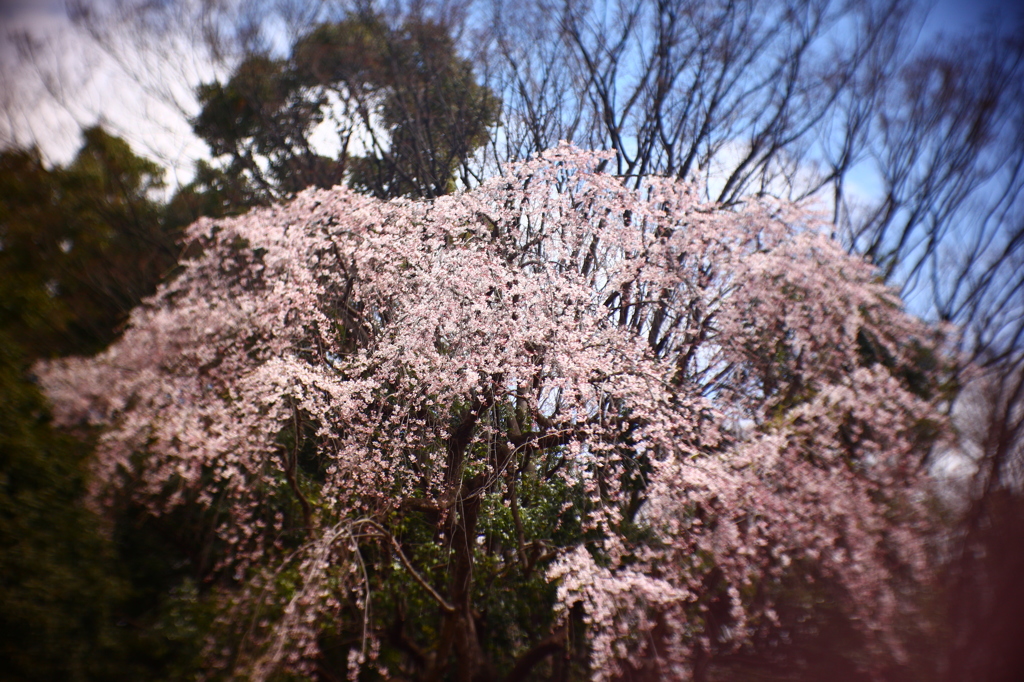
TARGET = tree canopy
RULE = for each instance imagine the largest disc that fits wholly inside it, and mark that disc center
(81, 244)
(406, 111)
(635, 411)
(782, 510)
(82, 595)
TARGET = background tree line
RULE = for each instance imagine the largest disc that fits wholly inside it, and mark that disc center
(796, 99)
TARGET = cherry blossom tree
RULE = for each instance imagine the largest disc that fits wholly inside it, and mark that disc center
(550, 422)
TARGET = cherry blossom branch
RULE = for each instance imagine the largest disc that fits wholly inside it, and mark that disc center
(289, 472)
(520, 534)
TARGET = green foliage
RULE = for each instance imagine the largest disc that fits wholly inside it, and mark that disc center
(82, 598)
(85, 598)
(81, 245)
(401, 94)
(213, 192)
(58, 583)
(435, 113)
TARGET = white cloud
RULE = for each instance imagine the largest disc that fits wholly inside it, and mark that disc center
(55, 80)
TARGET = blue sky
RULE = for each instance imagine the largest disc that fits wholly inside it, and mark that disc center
(110, 97)
(11, 10)
(954, 15)
(949, 15)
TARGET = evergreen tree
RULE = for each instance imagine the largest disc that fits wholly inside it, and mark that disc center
(81, 244)
(406, 109)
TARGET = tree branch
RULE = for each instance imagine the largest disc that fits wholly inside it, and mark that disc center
(442, 602)
(546, 647)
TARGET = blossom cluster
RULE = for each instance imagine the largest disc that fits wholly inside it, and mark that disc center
(726, 378)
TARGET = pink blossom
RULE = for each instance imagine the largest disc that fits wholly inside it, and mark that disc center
(423, 353)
